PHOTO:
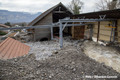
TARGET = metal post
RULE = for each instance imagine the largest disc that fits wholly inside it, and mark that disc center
(51, 32)
(114, 31)
(34, 37)
(111, 35)
(60, 35)
(64, 26)
(91, 31)
(98, 31)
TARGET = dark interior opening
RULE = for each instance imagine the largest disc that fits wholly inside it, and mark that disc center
(44, 39)
(61, 13)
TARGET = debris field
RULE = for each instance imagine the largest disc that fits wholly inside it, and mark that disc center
(68, 63)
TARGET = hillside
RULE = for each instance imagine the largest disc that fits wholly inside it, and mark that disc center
(16, 17)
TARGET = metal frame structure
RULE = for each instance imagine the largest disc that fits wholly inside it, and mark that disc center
(65, 23)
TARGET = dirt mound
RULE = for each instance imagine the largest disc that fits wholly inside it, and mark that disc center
(108, 55)
(66, 64)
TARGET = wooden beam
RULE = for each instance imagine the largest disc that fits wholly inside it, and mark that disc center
(59, 12)
(98, 31)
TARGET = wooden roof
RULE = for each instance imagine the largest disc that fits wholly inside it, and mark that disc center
(11, 48)
(47, 12)
(110, 14)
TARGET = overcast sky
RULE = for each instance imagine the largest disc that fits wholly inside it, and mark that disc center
(34, 6)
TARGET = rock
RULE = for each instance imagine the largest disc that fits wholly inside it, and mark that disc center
(55, 52)
(74, 69)
(50, 76)
(72, 62)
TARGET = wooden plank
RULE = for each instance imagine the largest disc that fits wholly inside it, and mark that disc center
(79, 32)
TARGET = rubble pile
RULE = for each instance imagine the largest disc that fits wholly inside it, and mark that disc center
(67, 64)
(22, 36)
(46, 61)
(45, 49)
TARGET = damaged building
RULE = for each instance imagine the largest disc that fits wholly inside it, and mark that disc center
(101, 25)
(103, 30)
(49, 17)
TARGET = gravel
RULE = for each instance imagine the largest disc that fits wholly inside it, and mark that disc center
(43, 50)
(69, 63)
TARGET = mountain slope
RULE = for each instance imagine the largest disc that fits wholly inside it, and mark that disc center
(16, 17)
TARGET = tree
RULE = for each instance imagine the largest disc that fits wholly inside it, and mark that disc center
(8, 24)
(108, 4)
(75, 6)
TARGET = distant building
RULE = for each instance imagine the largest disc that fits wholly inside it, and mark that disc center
(4, 26)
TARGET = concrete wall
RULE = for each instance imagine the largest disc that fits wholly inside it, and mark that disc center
(43, 32)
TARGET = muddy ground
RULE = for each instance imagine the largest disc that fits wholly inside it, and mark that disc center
(70, 63)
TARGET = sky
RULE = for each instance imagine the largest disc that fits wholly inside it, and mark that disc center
(34, 6)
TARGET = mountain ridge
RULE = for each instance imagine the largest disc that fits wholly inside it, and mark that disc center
(16, 17)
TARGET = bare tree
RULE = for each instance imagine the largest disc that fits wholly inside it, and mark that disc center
(108, 4)
(75, 6)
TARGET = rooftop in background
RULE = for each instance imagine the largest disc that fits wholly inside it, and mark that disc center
(110, 14)
(5, 26)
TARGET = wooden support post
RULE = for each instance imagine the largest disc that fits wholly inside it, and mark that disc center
(51, 32)
(98, 31)
(61, 35)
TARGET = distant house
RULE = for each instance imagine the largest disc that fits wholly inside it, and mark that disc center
(49, 17)
(4, 26)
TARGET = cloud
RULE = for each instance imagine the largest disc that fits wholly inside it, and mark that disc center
(89, 6)
(34, 6)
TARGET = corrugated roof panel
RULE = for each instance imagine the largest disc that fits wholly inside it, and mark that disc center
(11, 48)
